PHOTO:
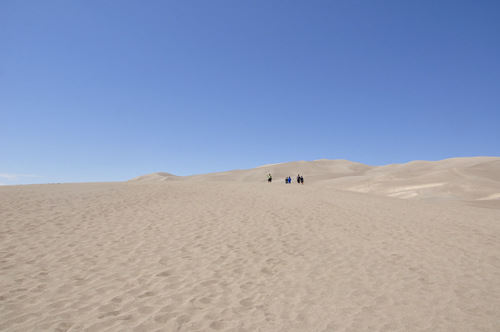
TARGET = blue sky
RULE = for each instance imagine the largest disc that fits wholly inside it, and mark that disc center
(109, 90)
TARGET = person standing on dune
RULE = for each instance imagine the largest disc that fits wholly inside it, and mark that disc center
(269, 178)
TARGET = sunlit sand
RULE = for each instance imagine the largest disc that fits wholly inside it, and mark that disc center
(230, 252)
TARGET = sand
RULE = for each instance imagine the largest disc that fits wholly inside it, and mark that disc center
(207, 255)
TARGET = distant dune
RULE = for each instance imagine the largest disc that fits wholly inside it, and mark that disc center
(160, 176)
(470, 178)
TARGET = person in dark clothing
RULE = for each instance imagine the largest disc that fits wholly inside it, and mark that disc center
(301, 179)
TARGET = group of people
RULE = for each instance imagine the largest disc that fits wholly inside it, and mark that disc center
(300, 179)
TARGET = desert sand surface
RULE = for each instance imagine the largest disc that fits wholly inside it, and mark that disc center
(241, 255)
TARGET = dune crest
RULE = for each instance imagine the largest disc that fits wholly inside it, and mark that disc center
(160, 176)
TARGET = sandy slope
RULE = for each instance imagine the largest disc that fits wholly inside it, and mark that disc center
(243, 256)
(457, 179)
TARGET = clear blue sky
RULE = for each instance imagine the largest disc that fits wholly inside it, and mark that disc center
(94, 90)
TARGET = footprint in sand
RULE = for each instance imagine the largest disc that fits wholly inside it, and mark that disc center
(205, 300)
(246, 303)
(111, 313)
(64, 326)
(147, 294)
(209, 282)
(183, 319)
(163, 318)
(117, 300)
(169, 308)
(218, 325)
(247, 285)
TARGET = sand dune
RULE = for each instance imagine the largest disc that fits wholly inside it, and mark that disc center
(230, 252)
(243, 256)
(160, 176)
(456, 179)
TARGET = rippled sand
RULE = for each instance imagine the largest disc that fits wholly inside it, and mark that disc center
(242, 256)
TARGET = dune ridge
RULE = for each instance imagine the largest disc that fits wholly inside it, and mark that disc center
(160, 176)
